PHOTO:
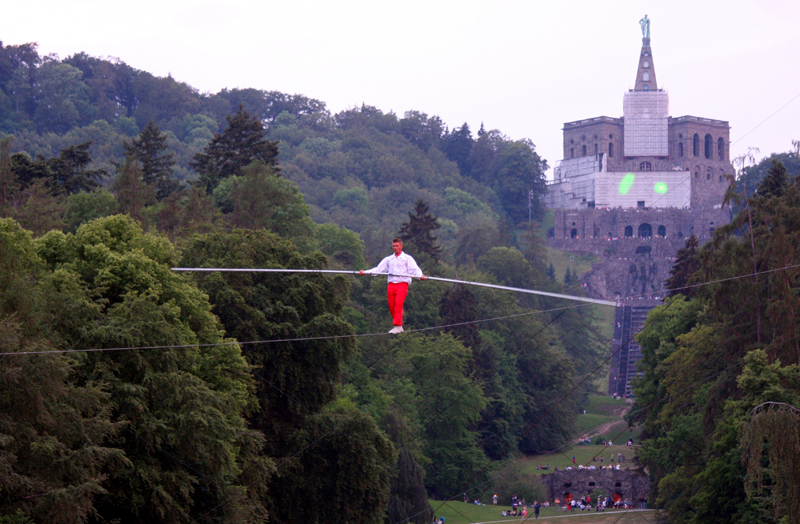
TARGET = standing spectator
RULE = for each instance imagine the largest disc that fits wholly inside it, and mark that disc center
(494, 499)
(536, 508)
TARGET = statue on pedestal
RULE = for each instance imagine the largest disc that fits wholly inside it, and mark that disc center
(645, 23)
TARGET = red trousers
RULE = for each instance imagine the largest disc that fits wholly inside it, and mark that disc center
(397, 295)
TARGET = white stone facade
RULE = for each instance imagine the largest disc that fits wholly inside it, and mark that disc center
(646, 122)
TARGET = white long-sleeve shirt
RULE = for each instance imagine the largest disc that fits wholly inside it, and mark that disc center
(395, 265)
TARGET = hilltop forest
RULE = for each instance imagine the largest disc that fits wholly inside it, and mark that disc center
(130, 392)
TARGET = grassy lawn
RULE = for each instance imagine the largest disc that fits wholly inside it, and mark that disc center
(600, 410)
(583, 455)
(589, 421)
(461, 513)
(562, 260)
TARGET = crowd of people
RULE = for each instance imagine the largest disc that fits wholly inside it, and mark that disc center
(519, 508)
(601, 503)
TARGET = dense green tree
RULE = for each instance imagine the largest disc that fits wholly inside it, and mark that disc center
(342, 246)
(687, 263)
(100, 76)
(457, 306)
(466, 203)
(198, 213)
(84, 207)
(19, 69)
(453, 401)
(38, 210)
(62, 98)
(8, 180)
(420, 130)
(775, 182)
(261, 199)
(151, 151)
(14, 56)
(25, 170)
(67, 173)
(484, 150)
(344, 478)
(184, 437)
(367, 116)
(132, 192)
(508, 266)
(159, 98)
(258, 306)
(54, 432)
(295, 381)
(457, 145)
(242, 142)
(710, 360)
(475, 238)
(267, 105)
(750, 177)
(71, 172)
(518, 170)
(418, 232)
(408, 501)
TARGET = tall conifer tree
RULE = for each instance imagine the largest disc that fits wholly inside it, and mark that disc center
(244, 141)
(150, 150)
(418, 231)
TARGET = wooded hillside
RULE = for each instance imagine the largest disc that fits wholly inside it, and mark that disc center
(133, 393)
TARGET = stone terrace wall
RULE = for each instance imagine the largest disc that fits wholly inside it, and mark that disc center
(631, 266)
(631, 485)
(589, 224)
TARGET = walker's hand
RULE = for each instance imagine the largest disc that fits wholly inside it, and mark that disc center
(361, 272)
(423, 277)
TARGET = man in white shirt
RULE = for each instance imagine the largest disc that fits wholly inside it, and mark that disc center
(401, 267)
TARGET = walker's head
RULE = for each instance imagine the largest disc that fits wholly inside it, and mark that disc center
(397, 246)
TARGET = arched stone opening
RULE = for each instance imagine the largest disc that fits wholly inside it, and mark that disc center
(573, 233)
(645, 231)
(628, 231)
(662, 231)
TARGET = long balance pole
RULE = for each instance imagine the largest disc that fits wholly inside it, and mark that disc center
(451, 280)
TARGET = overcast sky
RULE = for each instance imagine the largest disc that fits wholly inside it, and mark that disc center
(523, 67)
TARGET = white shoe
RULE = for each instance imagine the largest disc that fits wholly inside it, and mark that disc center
(396, 330)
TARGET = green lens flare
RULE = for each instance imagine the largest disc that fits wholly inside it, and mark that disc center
(626, 183)
(660, 187)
